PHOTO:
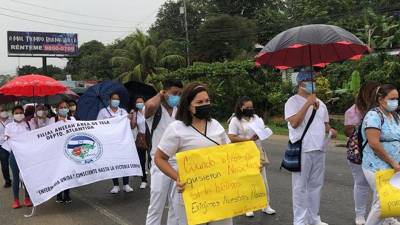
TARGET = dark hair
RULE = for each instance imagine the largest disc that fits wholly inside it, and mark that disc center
(169, 83)
(71, 101)
(366, 96)
(61, 102)
(17, 107)
(382, 92)
(188, 94)
(114, 93)
(29, 111)
(239, 105)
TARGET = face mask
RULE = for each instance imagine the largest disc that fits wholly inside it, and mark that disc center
(72, 108)
(139, 106)
(392, 105)
(173, 100)
(114, 103)
(19, 117)
(40, 113)
(63, 112)
(248, 112)
(310, 87)
(4, 115)
(203, 112)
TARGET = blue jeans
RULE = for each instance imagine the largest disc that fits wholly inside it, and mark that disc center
(16, 180)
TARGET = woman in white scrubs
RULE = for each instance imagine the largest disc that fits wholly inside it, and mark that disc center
(193, 129)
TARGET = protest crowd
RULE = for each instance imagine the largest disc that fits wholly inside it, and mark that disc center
(171, 139)
(179, 119)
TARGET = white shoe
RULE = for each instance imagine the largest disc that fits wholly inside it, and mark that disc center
(250, 214)
(360, 220)
(115, 190)
(127, 188)
(391, 221)
(143, 185)
(321, 223)
(269, 210)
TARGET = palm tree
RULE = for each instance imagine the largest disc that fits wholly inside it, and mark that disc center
(137, 58)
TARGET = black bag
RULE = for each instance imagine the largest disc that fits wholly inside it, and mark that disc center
(149, 131)
(292, 158)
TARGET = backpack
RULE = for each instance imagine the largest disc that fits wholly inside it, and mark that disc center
(149, 132)
(356, 142)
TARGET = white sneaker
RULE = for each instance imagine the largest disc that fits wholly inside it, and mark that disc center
(115, 190)
(391, 221)
(321, 223)
(143, 185)
(360, 220)
(269, 210)
(127, 188)
(250, 214)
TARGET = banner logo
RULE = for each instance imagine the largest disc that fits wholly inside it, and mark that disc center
(83, 148)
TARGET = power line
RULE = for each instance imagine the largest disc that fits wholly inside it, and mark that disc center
(59, 25)
(66, 21)
(68, 12)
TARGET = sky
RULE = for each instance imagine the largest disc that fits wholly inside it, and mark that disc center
(109, 20)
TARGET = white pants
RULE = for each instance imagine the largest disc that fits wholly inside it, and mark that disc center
(361, 189)
(374, 215)
(180, 210)
(264, 175)
(306, 188)
(161, 188)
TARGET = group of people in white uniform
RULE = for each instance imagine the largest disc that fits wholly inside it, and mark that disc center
(179, 119)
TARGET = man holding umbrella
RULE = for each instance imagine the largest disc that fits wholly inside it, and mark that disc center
(307, 184)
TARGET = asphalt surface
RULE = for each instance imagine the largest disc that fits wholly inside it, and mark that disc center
(93, 205)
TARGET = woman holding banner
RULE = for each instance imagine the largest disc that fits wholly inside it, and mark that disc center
(63, 116)
(17, 127)
(193, 129)
(113, 110)
(239, 130)
(381, 135)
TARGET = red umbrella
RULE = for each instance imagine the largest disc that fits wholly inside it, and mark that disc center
(311, 45)
(33, 85)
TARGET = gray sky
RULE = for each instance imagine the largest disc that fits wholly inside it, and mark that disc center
(123, 16)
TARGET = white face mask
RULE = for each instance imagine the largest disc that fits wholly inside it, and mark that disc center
(4, 115)
(19, 117)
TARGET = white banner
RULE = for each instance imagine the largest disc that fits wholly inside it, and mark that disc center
(72, 154)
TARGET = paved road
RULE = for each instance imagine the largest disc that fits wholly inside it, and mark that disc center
(92, 205)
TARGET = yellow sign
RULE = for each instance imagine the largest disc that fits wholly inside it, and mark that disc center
(221, 182)
(389, 195)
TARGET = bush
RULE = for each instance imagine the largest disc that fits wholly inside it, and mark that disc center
(230, 80)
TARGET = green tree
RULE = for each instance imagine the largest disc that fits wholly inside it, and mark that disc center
(92, 62)
(137, 58)
(224, 37)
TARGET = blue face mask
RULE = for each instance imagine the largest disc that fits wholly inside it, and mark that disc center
(114, 103)
(392, 105)
(63, 112)
(310, 87)
(173, 100)
(139, 106)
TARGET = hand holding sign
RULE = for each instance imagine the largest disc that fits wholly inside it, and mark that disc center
(221, 182)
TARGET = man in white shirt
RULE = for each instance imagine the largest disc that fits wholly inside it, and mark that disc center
(160, 111)
(4, 154)
(307, 184)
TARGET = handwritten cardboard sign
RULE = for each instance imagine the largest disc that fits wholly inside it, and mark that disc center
(221, 182)
(389, 195)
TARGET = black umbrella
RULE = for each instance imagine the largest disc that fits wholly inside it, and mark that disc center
(136, 89)
(311, 45)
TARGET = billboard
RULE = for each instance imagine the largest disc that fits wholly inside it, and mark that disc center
(42, 44)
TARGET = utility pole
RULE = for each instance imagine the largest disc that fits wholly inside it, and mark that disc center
(183, 10)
